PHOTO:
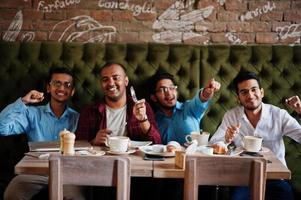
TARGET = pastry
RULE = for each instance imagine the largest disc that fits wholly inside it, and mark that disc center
(220, 148)
(173, 146)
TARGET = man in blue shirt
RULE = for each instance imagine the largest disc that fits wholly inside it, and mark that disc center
(175, 119)
(40, 123)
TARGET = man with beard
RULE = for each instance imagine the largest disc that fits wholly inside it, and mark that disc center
(253, 117)
(175, 119)
(40, 123)
(117, 114)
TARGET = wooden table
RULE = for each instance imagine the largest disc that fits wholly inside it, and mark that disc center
(275, 169)
(31, 165)
(156, 169)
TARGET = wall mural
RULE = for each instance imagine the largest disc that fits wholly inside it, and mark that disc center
(14, 29)
(82, 29)
(58, 4)
(136, 9)
(293, 30)
(175, 24)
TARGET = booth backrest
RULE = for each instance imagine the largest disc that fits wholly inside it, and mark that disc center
(24, 66)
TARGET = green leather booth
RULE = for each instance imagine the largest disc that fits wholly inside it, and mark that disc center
(24, 66)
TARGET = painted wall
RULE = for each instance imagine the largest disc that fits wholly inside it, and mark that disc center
(162, 21)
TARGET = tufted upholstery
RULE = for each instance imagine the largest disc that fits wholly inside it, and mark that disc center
(24, 66)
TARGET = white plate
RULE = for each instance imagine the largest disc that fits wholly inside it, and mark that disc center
(235, 152)
(149, 150)
(90, 152)
(137, 144)
(122, 153)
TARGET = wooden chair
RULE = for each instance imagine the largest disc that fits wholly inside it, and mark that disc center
(89, 170)
(224, 171)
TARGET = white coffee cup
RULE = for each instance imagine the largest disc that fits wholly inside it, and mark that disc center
(118, 143)
(205, 150)
(194, 135)
(252, 143)
(202, 138)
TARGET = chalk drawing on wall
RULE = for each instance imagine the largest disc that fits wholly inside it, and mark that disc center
(56, 5)
(293, 30)
(28, 36)
(82, 28)
(136, 9)
(177, 19)
(14, 29)
(234, 39)
(258, 11)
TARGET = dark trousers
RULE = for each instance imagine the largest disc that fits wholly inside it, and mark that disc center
(275, 190)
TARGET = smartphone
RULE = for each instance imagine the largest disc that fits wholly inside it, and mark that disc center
(153, 157)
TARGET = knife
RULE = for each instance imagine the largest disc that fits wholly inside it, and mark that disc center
(133, 94)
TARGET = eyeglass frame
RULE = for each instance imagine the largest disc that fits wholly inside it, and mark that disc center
(164, 89)
(58, 84)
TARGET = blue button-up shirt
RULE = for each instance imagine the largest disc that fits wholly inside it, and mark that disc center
(185, 119)
(38, 122)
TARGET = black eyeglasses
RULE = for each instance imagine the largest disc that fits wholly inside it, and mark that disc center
(58, 84)
(163, 90)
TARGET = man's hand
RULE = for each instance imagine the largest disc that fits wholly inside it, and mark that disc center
(294, 103)
(33, 97)
(101, 137)
(231, 132)
(208, 92)
(139, 110)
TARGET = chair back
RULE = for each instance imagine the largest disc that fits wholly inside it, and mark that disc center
(89, 170)
(224, 171)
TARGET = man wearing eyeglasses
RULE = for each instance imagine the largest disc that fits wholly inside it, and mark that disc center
(176, 119)
(40, 123)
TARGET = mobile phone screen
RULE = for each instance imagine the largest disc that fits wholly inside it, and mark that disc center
(153, 157)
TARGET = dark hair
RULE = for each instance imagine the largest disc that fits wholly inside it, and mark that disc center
(159, 75)
(243, 76)
(110, 63)
(59, 70)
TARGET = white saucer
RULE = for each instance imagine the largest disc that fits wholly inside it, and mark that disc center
(122, 153)
(262, 150)
(149, 150)
(90, 152)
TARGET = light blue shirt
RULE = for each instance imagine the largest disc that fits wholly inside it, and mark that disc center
(38, 122)
(185, 119)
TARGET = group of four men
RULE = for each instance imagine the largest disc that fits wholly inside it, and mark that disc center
(172, 121)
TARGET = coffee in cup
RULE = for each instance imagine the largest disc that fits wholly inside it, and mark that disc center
(252, 143)
(118, 143)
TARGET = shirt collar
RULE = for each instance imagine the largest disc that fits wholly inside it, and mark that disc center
(48, 110)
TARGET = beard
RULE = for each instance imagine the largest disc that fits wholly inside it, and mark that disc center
(252, 107)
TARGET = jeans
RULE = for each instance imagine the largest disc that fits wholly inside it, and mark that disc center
(275, 190)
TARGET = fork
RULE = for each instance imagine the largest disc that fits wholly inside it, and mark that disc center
(133, 94)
